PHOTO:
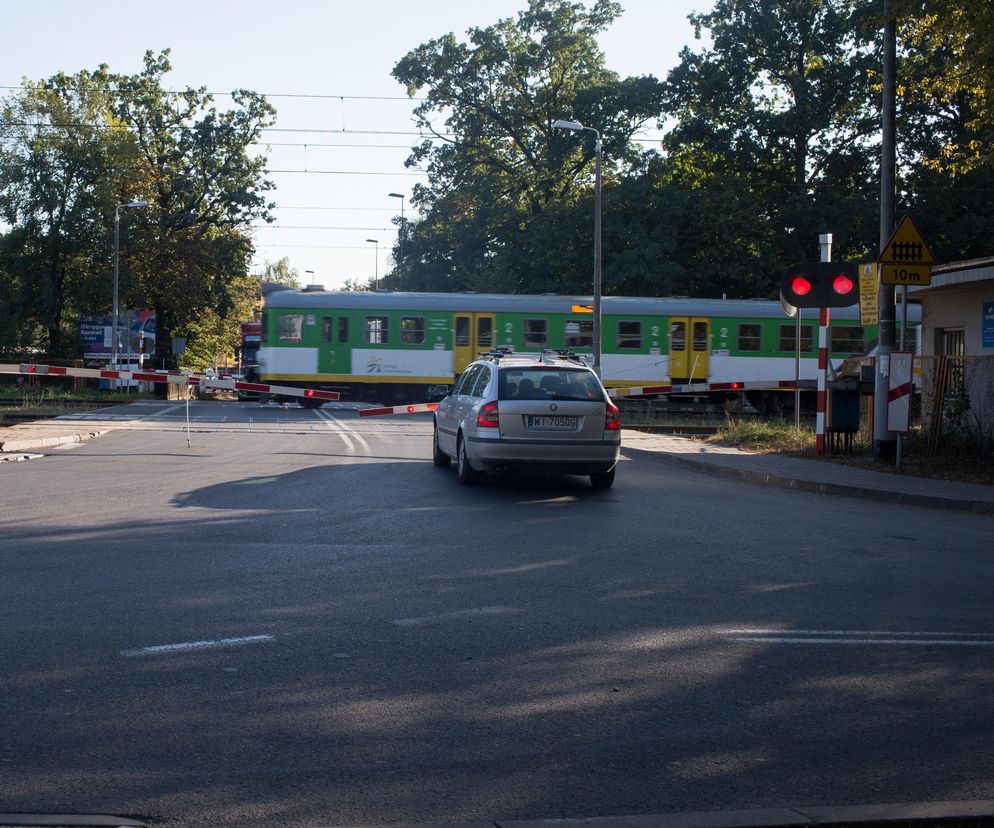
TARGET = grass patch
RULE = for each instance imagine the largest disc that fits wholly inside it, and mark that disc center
(778, 436)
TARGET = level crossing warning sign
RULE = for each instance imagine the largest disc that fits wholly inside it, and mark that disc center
(899, 392)
(906, 258)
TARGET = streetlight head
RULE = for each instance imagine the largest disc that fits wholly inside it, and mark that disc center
(136, 204)
(373, 241)
(396, 195)
(561, 124)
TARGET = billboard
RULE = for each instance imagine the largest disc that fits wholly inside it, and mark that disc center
(135, 328)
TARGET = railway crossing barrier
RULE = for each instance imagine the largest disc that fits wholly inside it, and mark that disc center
(169, 377)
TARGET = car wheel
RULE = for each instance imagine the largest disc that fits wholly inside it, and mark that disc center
(603, 480)
(467, 475)
(439, 457)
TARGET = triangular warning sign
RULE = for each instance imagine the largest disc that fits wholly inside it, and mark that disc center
(906, 246)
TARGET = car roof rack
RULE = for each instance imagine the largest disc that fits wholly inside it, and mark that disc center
(497, 352)
(562, 353)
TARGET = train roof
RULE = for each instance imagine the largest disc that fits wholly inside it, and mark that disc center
(544, 303)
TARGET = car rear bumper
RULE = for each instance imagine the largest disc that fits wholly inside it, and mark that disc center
(543, 456)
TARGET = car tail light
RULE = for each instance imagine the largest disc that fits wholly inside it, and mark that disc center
(612, 418)
(487, 418)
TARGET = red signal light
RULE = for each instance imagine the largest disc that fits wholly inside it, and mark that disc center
(842, 284)
(801, 285)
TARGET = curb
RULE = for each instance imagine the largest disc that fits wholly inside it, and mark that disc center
(30, 443)
(67, 820)
(838, 489)
(965, 813)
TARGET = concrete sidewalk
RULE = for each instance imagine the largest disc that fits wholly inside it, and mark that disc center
(812, 475)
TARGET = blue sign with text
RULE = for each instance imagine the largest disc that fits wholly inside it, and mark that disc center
(987, 326)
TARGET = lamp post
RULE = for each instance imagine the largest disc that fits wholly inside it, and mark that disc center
(310, 277)
(376, 266)
(117, 258)
(598, 150)
(400, 264)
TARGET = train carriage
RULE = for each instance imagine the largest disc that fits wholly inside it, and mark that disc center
(401, 347)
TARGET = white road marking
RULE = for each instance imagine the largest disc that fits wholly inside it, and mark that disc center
(344, 431)
(198, 645)
(862, 637)
(445, 616)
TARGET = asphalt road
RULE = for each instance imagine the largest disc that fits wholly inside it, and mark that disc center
(300, 621)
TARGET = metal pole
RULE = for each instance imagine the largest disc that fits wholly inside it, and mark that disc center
(400, 267)
(797, 373)
(117, 246)
(597, 255)
(904, 327)
(883, 441)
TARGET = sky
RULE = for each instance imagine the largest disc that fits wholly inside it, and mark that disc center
(339, 143)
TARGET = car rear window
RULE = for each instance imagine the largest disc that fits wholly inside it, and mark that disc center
(547, 384)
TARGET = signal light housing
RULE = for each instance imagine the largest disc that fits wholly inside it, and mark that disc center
(820, 285)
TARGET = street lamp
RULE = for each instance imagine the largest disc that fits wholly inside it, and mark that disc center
(400, 264)
(577, 127)
(117, 257)
(376, 271)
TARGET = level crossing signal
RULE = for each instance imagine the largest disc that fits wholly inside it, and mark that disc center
(820, 285)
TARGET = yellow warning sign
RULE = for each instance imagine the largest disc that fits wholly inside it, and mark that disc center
(582, 309)
(906, 274)
(869, 304)
(906, 246)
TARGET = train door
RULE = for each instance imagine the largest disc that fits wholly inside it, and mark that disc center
(473, 335)
(690, 344)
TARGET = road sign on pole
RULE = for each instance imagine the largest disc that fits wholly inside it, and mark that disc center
(906, 258)
(869, 304)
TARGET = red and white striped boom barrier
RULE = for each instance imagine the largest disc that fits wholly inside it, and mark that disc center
(701, 388)
(170, 377)
(414, 408)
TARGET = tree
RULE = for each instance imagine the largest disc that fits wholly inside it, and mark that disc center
(62, 170)
(499, 164)
(280, 273)
(778, 112)
(204, 189)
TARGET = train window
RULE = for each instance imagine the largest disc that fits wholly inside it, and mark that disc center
(377, 330)
(750, 337)
(578, 333)
(847, 339)
(484, 332)
(630, 334)
(291, 327)
(343, 329)
(788, 338)
(535, 333)
(700, 336)
(412, 330)
(462, 331)
(326, 329)
(678, 336)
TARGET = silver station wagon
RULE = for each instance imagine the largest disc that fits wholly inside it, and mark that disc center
(547, 414)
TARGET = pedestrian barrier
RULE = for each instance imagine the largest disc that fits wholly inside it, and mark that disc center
(398, 409)
(170, 377)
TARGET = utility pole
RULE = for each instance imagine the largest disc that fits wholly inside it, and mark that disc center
(884, 443)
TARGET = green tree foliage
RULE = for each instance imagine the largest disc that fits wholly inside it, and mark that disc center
(74, 147)
(204, 189)
(60, 176)
(775, 131)
(280, 273)
(497, 167)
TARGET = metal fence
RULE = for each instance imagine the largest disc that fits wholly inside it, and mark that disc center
(955, 404)
(952, 410)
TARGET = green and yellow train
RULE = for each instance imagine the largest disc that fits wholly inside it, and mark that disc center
(401, 347)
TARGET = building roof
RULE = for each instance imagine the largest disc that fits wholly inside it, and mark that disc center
(957, 273)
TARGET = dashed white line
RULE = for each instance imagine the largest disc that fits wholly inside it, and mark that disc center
(862, 637)
(198, 645)
(445, 616)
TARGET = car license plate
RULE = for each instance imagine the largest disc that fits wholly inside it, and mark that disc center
(551, 423)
